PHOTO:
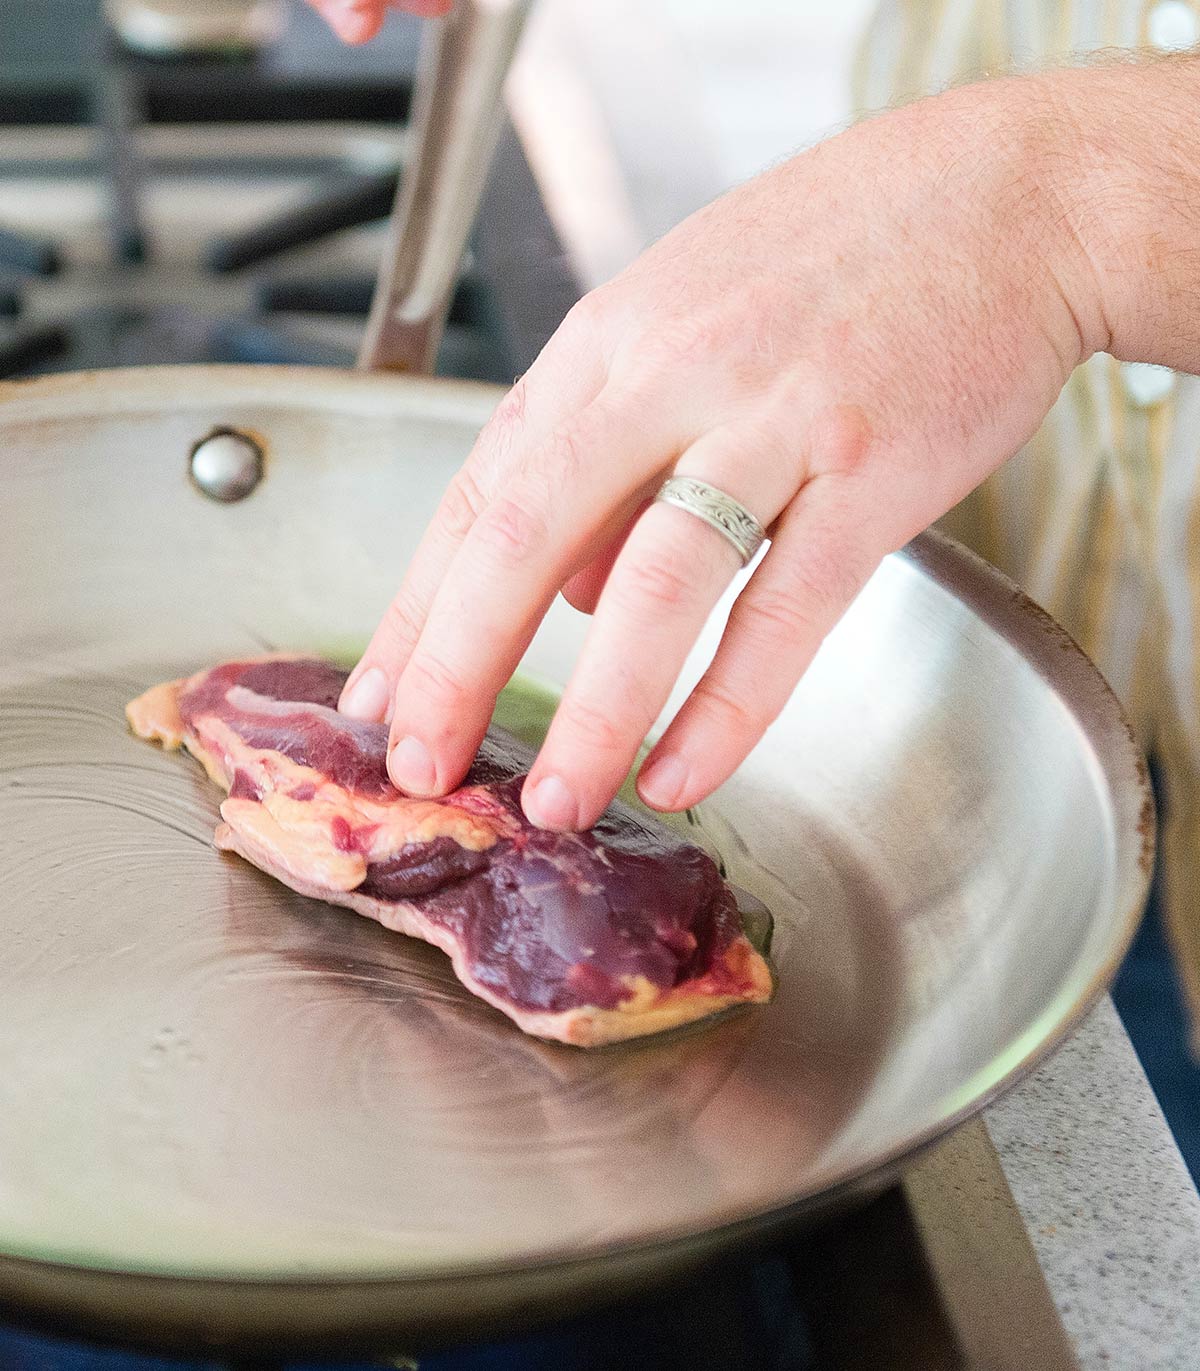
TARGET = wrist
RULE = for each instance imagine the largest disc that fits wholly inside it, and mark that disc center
(1124, 171)
(1008, 152)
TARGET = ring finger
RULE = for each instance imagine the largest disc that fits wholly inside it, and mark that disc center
(826, 545)
(666, 580)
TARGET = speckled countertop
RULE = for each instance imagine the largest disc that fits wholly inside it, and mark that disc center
(1107, 1202)
(1075, 1172)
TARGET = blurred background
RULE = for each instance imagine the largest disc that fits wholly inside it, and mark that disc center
(209, 179)
(707, 95)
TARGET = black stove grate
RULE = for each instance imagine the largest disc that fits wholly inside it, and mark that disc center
(851, 1295)
(306, 76)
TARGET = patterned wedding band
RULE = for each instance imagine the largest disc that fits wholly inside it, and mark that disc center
(718, 510)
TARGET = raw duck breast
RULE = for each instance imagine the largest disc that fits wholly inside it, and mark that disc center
(587, 938)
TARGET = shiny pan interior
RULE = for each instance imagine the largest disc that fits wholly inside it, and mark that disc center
(229, 1110)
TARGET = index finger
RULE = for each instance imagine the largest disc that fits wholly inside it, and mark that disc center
(585, 483)
(565, 377)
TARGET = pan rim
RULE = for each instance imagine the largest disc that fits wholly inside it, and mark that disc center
(1042, 642)
(138, 389)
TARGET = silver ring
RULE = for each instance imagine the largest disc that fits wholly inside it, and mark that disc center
(718, 510)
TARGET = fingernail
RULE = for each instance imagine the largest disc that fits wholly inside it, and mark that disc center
(367, 699)
(662, 780)
(410, 766)
(551, 805)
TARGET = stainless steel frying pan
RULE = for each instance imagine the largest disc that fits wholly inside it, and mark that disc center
(231, 1112)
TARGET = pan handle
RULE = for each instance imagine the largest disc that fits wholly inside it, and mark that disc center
(456, 117)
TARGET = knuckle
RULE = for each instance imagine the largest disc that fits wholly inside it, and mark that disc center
(587, 316)
(402, 623)
(775, 616)
(505, 425)
(510, 531)
(511, 410)
(844, 438)
(821, 586)
(590, 726)
(564, 456)
(655, 584)
(733, 713)
(462, 504)
(682, 342)
(430, 678)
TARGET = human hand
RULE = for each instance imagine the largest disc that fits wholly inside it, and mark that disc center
(847, 345)
(358, 21)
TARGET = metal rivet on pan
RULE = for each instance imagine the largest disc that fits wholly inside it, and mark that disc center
(227, 465)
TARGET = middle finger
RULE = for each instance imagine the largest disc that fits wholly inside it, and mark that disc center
(543, 525)
(566, 377)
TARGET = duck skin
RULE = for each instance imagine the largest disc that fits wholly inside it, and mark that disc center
(586, 938)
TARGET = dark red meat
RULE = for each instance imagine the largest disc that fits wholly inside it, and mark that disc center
(589, 937)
